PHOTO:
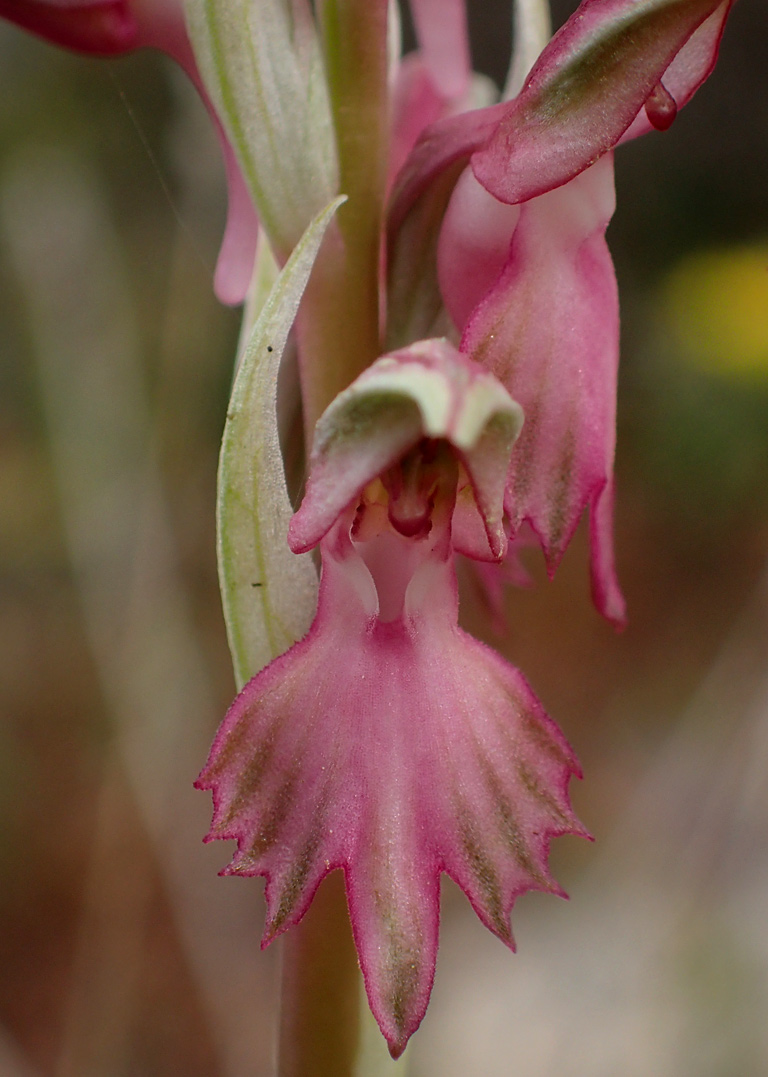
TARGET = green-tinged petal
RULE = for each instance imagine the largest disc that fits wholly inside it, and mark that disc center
(269, 595)
(262, 66)
(588, 86)
(428, 390)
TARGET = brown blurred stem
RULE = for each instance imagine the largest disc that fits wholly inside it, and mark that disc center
(320, 990)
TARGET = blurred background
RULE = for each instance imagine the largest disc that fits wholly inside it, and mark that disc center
(122, 954)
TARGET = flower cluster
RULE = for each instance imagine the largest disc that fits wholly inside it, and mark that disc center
(434, 262)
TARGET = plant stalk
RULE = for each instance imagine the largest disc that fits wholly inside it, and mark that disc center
(319, 1015)
(339, 336)
(339, 320)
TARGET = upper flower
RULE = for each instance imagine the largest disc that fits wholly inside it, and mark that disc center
(487, 283)
(509, 206)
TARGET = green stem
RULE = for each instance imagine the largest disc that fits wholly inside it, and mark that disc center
(339, 322)
(320, 990)
(338, 329)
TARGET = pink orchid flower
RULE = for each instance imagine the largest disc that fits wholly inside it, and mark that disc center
(384, 741)
(113, 27)
(522, 263)
(388, 742)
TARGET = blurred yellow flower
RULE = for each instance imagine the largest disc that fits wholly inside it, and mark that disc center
(715, 303)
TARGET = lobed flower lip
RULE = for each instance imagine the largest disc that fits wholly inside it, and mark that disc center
(422, 752)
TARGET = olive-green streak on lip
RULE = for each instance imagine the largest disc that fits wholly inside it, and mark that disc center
(233, 745)
(538, 733)
(532, 784)
(535, 730)
(294, 884)
(224, 755)
(403, 963)
(254, 772)
(251, 777)
(523, 454)
(510, 831)
(403, 956)
(274, 818)
(484, 872)
(562, 483)
(280, 802)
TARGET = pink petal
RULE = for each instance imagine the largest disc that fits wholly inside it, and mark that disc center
(606, 592)
(473, 247)
(416, 104)
(451, 139)
(690, 68)
(234, 267)
(103, 27)
(441, 29)
(585, 90)
(415, 306)
(421, 751)
(549, 332)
